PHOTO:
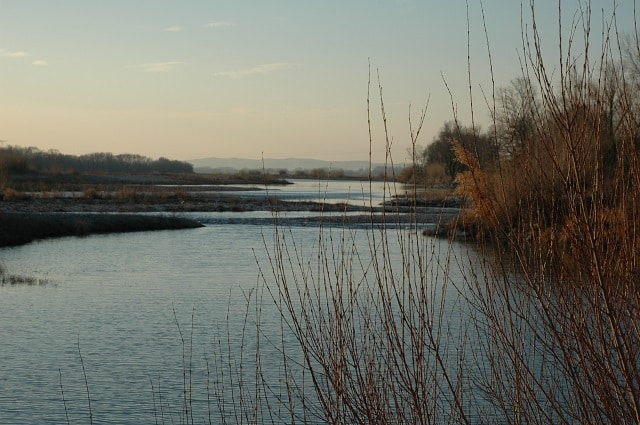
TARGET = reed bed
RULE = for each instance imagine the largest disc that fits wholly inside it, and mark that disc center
(539, 323)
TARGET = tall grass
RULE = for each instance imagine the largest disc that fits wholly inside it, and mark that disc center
(564, 344)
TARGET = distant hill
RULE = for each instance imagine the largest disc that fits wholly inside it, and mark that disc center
(290, 164)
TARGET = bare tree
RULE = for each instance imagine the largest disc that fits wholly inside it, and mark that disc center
(514, 121)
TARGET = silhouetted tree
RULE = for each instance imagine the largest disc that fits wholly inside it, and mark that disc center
(32, 158)
(440, 151)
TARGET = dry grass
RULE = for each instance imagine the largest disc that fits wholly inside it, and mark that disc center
(564, 208)
(550, 305)
(9, 279)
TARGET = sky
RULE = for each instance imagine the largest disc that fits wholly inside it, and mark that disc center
(188, 79)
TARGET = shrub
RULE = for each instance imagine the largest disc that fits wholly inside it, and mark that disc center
(10, 194)
(91, 193)
(550, 301)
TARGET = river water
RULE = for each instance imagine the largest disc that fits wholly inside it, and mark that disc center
(135, 319)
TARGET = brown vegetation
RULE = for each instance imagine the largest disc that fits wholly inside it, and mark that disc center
(541, 325)
(562, 204)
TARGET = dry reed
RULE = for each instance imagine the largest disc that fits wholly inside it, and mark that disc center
(550, 302)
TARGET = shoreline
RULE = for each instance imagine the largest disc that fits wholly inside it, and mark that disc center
(19, 228)
(27, 219)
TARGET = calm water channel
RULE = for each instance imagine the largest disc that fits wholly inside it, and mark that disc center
(121, 302)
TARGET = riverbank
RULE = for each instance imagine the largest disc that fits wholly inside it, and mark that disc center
(25, 218)
(17, 228)
(23, 222)
(68, 211)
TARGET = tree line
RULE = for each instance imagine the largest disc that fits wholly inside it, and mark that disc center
(522, 113)
(511, 131)
(21, 160)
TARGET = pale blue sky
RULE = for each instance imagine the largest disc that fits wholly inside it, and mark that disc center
(191, 79)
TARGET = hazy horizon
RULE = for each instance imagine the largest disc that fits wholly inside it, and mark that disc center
(247, 79)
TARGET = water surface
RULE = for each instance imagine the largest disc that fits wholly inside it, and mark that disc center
(127, 308)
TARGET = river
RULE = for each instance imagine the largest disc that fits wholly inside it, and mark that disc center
(127, 317)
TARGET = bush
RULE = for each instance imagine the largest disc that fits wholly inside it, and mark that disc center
(548, 295)
(91, 193)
